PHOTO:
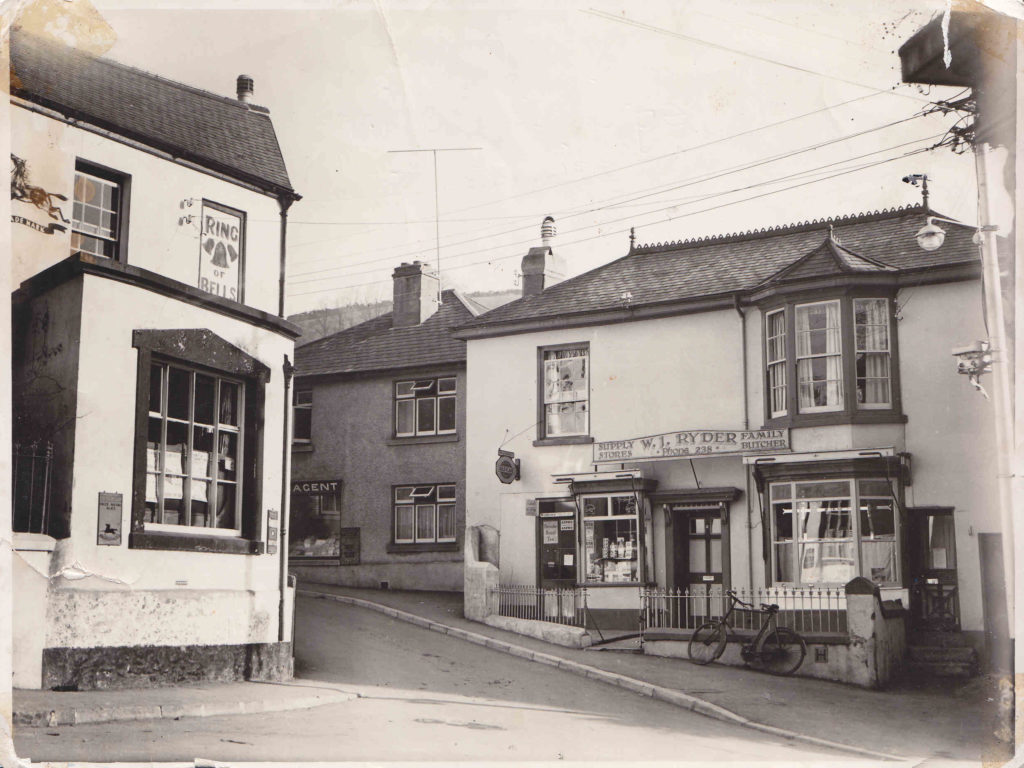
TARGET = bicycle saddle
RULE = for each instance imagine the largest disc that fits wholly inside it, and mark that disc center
(773, 608)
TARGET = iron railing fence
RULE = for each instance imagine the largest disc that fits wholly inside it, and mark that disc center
(524, 601)
(32, 471)
(807, 610)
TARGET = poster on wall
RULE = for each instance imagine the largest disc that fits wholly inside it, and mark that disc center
(108, 521)
(221, 251)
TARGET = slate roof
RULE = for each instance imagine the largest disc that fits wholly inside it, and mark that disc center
(375, 346)
(727, 264)
(829, 258)
(216, 132)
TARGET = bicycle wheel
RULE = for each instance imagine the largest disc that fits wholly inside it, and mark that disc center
(707, 642)
(782, 651)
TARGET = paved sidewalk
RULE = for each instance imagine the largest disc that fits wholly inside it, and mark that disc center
(53, 708)
(945, 720)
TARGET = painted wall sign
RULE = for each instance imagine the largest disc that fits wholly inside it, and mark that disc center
(108, 521)
(692, 443)
(22, 190)
(221, 251)
(315, 487)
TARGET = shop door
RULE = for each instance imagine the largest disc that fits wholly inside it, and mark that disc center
(556, 554)
(697, 555)
(931, 556)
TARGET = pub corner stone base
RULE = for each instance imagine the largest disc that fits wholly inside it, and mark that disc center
(100, 668)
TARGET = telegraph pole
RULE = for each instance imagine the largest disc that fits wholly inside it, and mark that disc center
(437, 214)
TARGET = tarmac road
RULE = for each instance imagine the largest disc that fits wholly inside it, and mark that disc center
(427, 696)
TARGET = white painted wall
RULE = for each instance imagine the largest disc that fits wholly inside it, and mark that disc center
(225, 598)
(155, 241)
(656, 376)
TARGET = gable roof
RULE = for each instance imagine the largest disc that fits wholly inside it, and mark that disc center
(829, 258)
(219, 133)
(375, 345)
(715, 267)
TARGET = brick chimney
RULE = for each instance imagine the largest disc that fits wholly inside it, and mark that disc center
(541, 267)
(416, 294)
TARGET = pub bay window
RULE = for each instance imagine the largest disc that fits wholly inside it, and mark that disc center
(566, 391)
(97, 211)
(424, 514)
(425, 407)
(611, 538)
(805, 360)
(194, 449)
(829, 531)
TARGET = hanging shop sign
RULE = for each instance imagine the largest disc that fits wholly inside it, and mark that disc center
(693, 443)
(506, 467)
(221, 251)
(23, 190)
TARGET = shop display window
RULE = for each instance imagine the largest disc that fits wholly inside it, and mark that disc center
(611, 539)
(817, 538)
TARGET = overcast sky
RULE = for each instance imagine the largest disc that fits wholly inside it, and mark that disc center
(653, 115)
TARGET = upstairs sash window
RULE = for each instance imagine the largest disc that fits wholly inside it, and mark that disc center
(566, 391)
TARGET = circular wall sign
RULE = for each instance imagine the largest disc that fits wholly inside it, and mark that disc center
(505, 468)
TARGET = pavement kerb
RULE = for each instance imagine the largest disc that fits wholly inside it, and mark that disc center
(80, 715)
(667, 695)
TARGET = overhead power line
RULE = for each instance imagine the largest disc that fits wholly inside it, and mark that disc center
(610, 171)
(666, 219)
(661, 189)
(740, 52)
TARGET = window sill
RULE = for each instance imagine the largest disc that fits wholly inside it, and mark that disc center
(399, 549)
(830, 418)
(302, 447)
(422, 440)
(190, 542)
(568, 440)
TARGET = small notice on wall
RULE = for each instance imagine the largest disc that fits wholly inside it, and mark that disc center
(550, 531)
(108, 521)
(349, 550)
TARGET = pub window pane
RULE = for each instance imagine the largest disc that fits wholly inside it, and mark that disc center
(155, 387)
(229, 403)
(178, 389)
(205, 388)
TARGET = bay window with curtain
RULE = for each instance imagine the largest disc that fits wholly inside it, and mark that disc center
(831, 361)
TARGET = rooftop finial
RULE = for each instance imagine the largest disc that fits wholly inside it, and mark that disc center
(632, 238)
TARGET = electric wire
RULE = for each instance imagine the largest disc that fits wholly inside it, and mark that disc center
(650, 192)
(669, 218)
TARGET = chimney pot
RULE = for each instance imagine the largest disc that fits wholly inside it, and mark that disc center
(547, 231)
(244, 88)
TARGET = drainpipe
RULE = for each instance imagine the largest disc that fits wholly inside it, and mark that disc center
(746, 425)
(286, 471)
(284, 203)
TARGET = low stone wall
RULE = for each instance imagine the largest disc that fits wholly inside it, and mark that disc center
(870, 655)
(549, 632)
(480, 574)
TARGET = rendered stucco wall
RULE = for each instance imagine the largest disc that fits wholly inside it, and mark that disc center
(184, 596)
(352, 441)
(156, 241)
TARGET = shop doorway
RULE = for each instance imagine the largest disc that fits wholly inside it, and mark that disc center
(694, 561)
(556, 551)
(931, 559)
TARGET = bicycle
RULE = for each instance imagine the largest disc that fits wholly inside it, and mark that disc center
(778, 650)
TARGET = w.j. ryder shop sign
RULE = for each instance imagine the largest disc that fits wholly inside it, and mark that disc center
(692, 443)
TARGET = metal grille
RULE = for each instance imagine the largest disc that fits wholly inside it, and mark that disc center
(31, 487)
(558, 606)
(806, 610)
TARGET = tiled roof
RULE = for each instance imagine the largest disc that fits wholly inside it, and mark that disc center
(696, 269)
(829, 258)
(216, 132)
(375, 346)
